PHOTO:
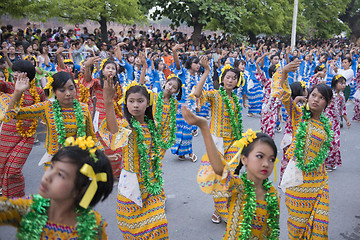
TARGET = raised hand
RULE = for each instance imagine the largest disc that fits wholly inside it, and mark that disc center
(204, 61)
(109, 88)
(22, 83)
(178, 47)
(191, 118)
(292, 66)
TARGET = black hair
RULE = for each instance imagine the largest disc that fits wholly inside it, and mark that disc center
(324, 90)
(237, 75)
(190, 61)
(296, 90)
(24, 66)
(115, 78)
(80, 157)
(178, 80)
(319, 68)
(274, 55)
(142, 90)
(60, 79)
(336, 80)
(272, 70)
(349, 60)
(324, 55)
(262, 137)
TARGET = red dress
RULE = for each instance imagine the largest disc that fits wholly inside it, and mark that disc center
(14, 149)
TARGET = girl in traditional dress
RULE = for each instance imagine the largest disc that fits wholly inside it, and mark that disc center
(140, 200)
(254, 202)
(334, 111)
(225, 125)
(92, 93)
(17, 136)
(64, 116)
(307, 200)
(78, 178)
(271, 106)
(189, 77)
(299, 94)
(356, 116)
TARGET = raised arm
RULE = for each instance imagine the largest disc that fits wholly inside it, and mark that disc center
(59, 57)
(293, 66)
(144, 67)
(21, 85)
(199, 87)
(88, 63)
(109, 90)
(212, 152)
(176, 56)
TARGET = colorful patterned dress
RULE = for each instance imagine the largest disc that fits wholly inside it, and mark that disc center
(308, 204)
(134, 221)
(356, 116)
(13, 210)
(254, 90)
(270, 107)
(14, 148)
(183, 144)
(45, 112)
(285, 144)
(335, 109)
(220, 128)
(165, 120)
(96, 92)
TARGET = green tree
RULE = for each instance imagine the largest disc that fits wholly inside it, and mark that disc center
(23, 8)
(78, 11)
(351, 17)
(198, 13)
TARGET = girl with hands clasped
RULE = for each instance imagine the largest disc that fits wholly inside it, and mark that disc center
(253, 202)
(140, 199)
(79, 177)
(305, 178)
(225, 126)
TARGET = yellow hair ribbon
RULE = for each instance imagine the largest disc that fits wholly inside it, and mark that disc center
(68, 61)
(88, 171)
(248, 137)
(338, 76)
(171, 76)
(50, 81)
(227, 66)
(241, 80)
(151, 97)
(322, 66)
(307, 107)
(1, 57)
(102, 63)
(29, 56)
(125, 88)
(277, 66)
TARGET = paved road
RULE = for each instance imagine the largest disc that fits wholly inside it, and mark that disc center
(188, 209)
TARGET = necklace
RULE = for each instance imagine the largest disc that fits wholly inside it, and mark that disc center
(59, 121)
(236, 124)
(300, 143)
(156, 187)
(19, 123)
(249, 208)
(32, 224)
(158, 117)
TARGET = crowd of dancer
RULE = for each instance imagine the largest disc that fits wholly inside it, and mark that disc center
(113, 109)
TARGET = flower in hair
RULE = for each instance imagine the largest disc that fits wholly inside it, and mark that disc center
(303, 84)
(125, 88)
(68, 61)
(338, 76)
(248, 137)
(172, 76)
(102, 63)
(85, 143)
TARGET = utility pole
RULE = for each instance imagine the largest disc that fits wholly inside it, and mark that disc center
(293, 32)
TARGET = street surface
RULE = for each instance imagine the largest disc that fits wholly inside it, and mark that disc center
(189, 210)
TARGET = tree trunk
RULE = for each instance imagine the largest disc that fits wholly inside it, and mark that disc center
(196, 34)
(103, 29)
(252, 37)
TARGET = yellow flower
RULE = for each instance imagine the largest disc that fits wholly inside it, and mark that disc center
(69, 141)
(92, 151)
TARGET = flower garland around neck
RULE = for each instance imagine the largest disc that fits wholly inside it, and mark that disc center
(153, 188)
(249, 208)
(19, 124)
(236, 123)
(59, 121)
(158, 118)
(32, 224)
(314, 164)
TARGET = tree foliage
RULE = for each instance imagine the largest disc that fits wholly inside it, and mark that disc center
(351, 17)
(78, 11)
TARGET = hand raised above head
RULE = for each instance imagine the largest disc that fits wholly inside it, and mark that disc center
(22, 83)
